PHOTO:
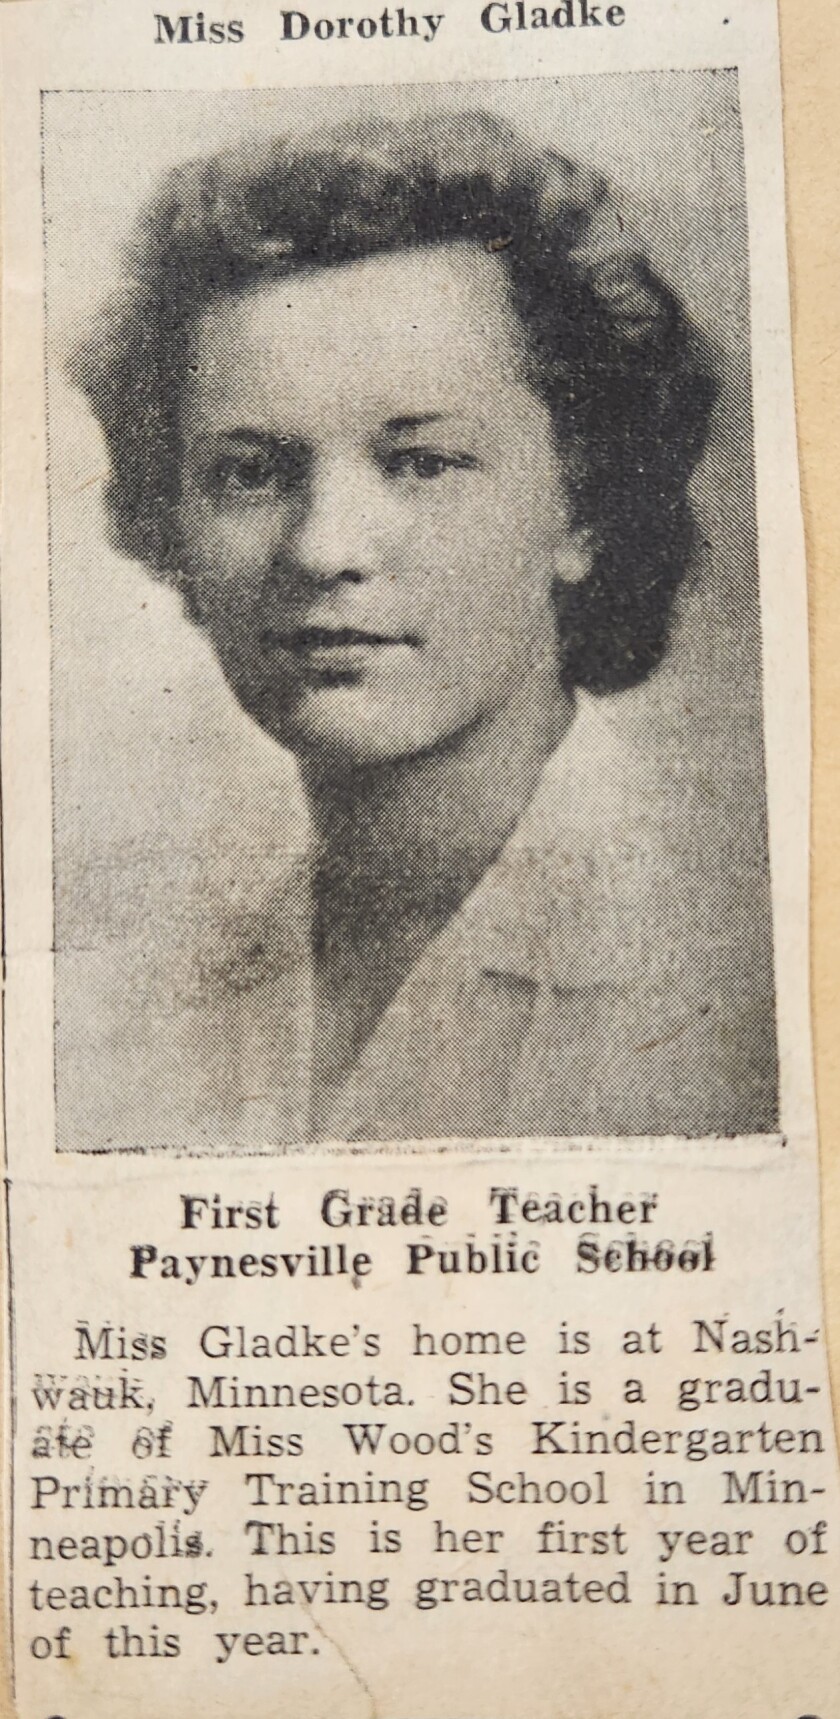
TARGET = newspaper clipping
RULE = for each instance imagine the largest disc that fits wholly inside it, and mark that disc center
(413, 1291)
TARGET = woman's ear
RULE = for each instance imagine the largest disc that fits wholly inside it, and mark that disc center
(186, 588)
(573, 558)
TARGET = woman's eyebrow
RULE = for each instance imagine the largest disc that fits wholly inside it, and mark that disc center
(413, 421)
(243, 435)
(240, 433)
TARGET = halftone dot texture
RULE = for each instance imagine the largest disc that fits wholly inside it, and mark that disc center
(613, 972)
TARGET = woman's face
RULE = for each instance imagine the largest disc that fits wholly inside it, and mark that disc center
(372, 509)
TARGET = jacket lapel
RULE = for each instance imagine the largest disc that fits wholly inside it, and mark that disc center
(501, 1025)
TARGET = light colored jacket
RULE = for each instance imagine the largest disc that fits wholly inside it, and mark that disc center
(592, 983)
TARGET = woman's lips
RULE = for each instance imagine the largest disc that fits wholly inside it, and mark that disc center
(334, 648)
(324, 638)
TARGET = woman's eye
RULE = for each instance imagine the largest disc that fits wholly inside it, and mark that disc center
(426, 463)
(244, 475)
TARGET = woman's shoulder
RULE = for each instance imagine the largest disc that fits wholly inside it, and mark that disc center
(626, 898)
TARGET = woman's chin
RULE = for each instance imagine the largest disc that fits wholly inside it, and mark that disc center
(352, 734)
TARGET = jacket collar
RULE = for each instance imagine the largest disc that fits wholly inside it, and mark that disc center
(560, 906)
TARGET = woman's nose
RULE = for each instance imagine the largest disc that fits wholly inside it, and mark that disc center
(339, 525)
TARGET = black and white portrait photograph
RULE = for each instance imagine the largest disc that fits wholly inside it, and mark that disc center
(407, 695)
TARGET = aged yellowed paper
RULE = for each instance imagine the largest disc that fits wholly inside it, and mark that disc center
(810, 74)
(415, 1300)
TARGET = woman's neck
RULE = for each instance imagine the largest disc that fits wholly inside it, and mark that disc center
(410, 838)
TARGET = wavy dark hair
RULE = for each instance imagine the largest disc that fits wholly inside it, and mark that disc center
(628, 378)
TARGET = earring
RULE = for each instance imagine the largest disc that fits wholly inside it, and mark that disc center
(573, 558)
